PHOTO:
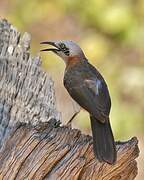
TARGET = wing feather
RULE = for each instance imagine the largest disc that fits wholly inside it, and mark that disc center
(92, 95)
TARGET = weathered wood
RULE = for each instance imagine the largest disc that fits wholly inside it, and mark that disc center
(33, 144)
(26, 91)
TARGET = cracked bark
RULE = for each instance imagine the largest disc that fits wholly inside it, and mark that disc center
(33, 144)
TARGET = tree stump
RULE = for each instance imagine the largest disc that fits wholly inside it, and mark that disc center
(33, 143)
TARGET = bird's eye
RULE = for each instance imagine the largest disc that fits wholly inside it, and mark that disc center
(64, 49)
(62, 45)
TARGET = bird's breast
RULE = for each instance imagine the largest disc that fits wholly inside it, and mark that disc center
(72, 77)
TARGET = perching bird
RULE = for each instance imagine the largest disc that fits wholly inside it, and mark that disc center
(88, 88)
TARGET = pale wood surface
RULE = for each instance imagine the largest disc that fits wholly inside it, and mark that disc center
(33, 143)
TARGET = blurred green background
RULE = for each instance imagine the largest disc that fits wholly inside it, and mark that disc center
(111, 33)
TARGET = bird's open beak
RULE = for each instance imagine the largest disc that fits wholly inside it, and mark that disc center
(56, 49)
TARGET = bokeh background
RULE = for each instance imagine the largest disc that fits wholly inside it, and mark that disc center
(111, 33)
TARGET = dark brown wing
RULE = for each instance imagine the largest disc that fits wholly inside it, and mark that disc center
(92, 95)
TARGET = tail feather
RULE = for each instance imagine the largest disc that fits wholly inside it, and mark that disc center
(103, 141)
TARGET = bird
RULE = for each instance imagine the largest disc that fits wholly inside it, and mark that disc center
(88, 88)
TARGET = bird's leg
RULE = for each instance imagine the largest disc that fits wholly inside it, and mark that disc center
(76, 108)
(71, 119)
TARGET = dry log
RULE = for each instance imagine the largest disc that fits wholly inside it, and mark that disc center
(33, 144)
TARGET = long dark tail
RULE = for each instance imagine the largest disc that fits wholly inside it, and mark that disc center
(103, 141)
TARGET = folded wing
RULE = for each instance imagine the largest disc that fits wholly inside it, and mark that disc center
(92, 94)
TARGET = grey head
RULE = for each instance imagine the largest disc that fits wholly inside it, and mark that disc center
(65, 49)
